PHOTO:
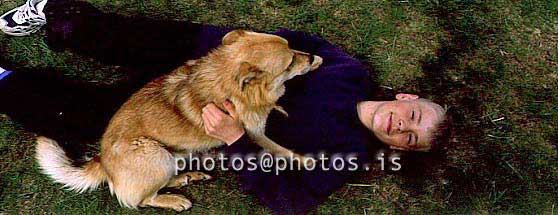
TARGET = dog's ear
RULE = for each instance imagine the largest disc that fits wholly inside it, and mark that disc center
(246, 74)
(233, 36)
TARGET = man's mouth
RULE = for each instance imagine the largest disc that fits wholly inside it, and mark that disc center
(389, 124)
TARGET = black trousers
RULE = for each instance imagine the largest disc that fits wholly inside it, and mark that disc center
(74, 112)
(138, 43)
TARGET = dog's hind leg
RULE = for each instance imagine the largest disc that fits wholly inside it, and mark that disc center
(141, 169)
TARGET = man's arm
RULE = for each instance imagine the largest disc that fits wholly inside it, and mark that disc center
(286, 192)
(222, 126)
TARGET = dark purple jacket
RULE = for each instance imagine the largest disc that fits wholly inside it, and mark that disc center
(322, 118)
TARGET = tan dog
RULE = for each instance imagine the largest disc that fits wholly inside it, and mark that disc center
(163, 120)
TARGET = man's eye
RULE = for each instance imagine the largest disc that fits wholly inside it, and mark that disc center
(413, 115)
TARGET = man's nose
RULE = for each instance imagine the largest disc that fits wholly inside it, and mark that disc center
(402, 125)
(311, 59)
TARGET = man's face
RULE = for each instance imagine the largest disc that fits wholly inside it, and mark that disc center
(406, 123)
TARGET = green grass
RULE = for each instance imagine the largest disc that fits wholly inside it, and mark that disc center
(494, 62)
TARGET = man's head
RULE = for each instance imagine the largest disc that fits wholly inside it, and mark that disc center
(409, 123)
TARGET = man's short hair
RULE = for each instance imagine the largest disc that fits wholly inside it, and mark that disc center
(443, 129)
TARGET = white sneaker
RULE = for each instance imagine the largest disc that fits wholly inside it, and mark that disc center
(25, 19)
(3, 73)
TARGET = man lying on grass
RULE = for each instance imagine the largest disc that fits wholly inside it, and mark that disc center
(330, 110)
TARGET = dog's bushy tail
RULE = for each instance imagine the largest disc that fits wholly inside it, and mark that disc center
(53, 161)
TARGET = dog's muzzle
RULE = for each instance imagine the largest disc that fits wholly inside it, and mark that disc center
(315, 62)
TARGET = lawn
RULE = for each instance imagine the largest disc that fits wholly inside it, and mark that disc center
(494, 63)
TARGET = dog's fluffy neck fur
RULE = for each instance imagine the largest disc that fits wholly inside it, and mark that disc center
(204, 73)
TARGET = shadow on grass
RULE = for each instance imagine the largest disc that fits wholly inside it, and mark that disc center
(461, 75)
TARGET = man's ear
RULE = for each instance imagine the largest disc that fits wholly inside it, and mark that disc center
(233, 36)
(406, 97)
(246, 74)
(398, 148)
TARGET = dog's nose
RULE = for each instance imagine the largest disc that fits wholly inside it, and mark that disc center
(315, 62)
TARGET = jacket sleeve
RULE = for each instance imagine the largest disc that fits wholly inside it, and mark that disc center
(286, 191)
(241, 146)
(293, 192)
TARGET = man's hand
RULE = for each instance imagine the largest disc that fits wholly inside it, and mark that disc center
(222, 126)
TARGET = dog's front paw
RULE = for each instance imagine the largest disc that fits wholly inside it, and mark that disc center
(197, 176)
(306, 161)
(185, 178)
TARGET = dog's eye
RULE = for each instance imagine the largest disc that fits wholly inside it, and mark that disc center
(291, 65)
